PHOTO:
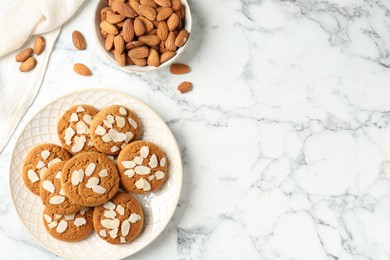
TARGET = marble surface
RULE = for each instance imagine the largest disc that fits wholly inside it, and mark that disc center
(285, 138)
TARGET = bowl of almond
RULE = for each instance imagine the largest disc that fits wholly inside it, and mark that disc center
(142, 35)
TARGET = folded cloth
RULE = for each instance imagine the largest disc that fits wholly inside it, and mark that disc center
(20, 20)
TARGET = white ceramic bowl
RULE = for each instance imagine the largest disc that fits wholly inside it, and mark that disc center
(110, 56)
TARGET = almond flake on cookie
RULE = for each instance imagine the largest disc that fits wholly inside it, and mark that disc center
(87, 119)
(142, 170)
(122, 111)
(106, 138)
(134, 218)
(153, 161)
(40, 164)
(144, 151)
(55, 160)
(55, 200)
(107, 124)
(110, 119)
(81, 128)
(125, 227)
(102, 233)
(138, 160)
(120, 121)
(74, 117)
(90, 169)
(132, 122)
(79, 144)
(109, 205)
(128, 164)
(113, 233)
(78, 222)
(93, 181)
(69, 216)
(163, 162)
(110, 214)
(129, 173)
(45, 154)
(159, 175)
(47, 185)
(114, 149)
(80, 109)
(122, 240)
(100, 130)
(77, 177)
(120, 209)
(98, 189)
(32, 176)
(129, 135)
(62, 226)
(103, 173)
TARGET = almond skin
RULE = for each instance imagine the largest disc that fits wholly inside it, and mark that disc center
(109, 28)
(139, 53)
(120, 58)
(149, 3)
(81, 69)
(151, 40)
(164, 3)
(162, 30)
(173, 21)
(135, 6)
(148, 12)
(113, 18)
(176, 4)
(109, 42)
(139, 27)
(103, 13)
(148, 24)
(78, 40)
(39, 45)
(128, 31)
(164, 14)
(185, 87)
(153, 58)
(179, 68)
(24, 55)
(170, 42)
(139, 62)
(134, 44)
(119, 44)
(125, 10)
(181, 38)
(28, 64)
(167, 56)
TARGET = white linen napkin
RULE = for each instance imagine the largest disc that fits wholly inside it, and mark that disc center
(20, 20)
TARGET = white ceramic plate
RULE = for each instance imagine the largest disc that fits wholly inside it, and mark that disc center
(158, 206)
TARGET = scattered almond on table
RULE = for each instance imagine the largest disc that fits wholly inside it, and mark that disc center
(81, 69)
(179, 68)
(151, 30)
(185, 87)
(79, 40)
(28, 62)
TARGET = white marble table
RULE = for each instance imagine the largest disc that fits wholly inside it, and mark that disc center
(285, 138)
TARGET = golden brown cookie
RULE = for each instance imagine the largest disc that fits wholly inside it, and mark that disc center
(90, 179)
(120, 220)
(143, 167)
(52, 194)
(113, 128)
(72, 227)
(38, 160)
(73, 129)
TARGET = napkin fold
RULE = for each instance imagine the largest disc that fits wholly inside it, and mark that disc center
(20, 20)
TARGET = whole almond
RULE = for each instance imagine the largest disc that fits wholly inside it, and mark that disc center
(139, 27)
(135, 6)
(179, 68)
(103, 13)
(148, 12)
(176, 4)
(162, 30)
(164, 3)
(173, 21)
(81, 69)
(162, 48)
(185, 87)
(150, 40)
(167, 56)
(139, 53)
(39, 45)
(28, 64)
(170, 42)
(181, 38)
(120, 25)
(134, 44)
(109, 42)
(24, 55)
(113, 18)
(128, 60)
(149, 3)
(104, 33)
(148, 24)
(128, 31)
(113, 3)
(119, 44)
(164, 13)
(182, 12)
(125, 10)
(78, 40)
(109, 28)
(120, 58)
(153, 58)
(139, 62)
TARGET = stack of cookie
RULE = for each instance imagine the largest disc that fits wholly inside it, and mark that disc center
(79, 182)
